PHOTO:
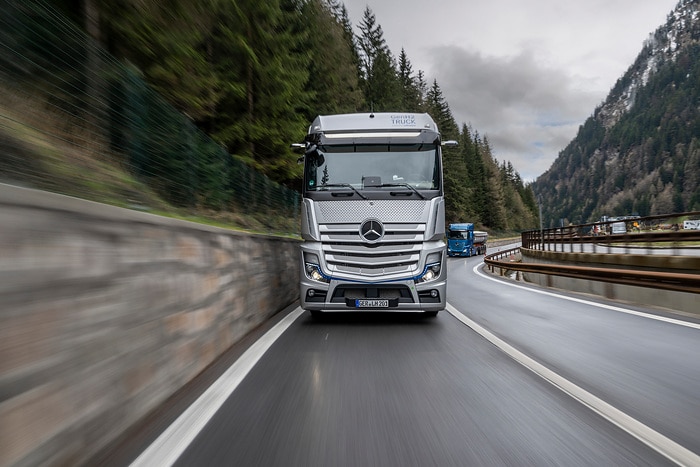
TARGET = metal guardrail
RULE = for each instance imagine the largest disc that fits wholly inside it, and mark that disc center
(680, 282)
(649, 230)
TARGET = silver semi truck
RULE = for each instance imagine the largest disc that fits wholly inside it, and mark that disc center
(373, 214)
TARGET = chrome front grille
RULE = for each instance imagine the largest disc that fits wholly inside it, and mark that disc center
(339, 212)
(396, 254)
(398, 251)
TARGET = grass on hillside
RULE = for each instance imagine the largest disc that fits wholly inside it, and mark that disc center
(49, 155)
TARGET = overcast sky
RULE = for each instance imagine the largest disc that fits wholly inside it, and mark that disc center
(526, 73)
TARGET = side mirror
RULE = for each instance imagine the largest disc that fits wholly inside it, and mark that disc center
(316, 156)
(450, 143)
(297, 148)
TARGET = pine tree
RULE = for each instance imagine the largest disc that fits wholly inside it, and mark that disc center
(410, 93)
(456, 193)
(422, 87)
(439, 109)
(170, 43)
(333, 82)
(494, 208)
(260, 52)
(377, 66)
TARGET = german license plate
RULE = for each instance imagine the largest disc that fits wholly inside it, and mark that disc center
(361, 303)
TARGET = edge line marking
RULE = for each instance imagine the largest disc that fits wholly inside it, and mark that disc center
(172, 442)
(655, 440)
(664, 319)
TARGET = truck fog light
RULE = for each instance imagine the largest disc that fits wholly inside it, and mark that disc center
(311, 293)
(434, 293)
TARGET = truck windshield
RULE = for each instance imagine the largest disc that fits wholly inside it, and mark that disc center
(458, 234)
(373, 167)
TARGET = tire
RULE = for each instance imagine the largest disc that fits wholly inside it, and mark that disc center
(431, 314)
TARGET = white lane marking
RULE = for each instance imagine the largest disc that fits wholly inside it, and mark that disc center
(587, 302)
(173, 441)
(655, 440)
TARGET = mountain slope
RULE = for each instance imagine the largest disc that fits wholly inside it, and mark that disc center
(640, 150)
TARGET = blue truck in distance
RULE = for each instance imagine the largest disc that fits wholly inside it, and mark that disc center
(463, 240)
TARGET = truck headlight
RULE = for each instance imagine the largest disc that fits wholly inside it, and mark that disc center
(432, 269)
(430, 273)
(313, 270)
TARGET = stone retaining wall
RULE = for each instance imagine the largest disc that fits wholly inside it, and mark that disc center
(106, 312)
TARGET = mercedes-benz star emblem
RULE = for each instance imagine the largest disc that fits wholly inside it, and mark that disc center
(371, 230)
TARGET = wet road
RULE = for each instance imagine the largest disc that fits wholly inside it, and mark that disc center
(391, 389)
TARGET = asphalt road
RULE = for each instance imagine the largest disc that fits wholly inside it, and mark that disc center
(392, 389)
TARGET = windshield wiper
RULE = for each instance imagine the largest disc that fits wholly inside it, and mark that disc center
(343, 185)
(411, 187)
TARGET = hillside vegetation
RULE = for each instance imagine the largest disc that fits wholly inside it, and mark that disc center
(252, 75)
(639, 153)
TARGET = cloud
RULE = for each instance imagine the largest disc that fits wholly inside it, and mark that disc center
(528, 110)
(541, 68)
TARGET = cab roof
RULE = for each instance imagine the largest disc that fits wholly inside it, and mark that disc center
(464, 226)
(380, 121)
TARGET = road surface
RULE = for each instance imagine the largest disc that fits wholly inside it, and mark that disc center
(508, 375)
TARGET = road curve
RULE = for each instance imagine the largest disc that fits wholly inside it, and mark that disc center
(393, 389)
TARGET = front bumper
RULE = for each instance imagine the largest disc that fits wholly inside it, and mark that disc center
(403, 295)
(466, 252)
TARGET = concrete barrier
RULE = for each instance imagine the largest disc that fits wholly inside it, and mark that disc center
(106, 312)
(668, 299)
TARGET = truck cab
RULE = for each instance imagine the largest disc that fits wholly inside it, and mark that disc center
(463, 240)
(373, 214)
(460, 239)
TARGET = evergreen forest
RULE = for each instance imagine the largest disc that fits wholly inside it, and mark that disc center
(639, 152)
(253, 75)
